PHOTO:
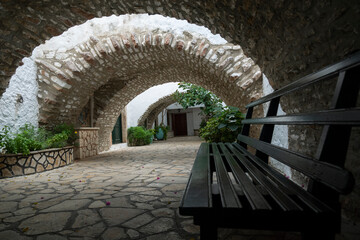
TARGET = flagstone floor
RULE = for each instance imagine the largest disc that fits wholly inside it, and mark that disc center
(130, 193)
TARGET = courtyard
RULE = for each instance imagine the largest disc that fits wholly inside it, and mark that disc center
(130, 193)
(84, 63)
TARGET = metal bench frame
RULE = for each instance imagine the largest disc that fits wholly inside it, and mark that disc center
(232, 188)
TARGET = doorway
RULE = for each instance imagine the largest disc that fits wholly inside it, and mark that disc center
(179, 124)
(117, 132)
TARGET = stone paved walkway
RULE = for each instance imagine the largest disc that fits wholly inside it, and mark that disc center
(132, 193)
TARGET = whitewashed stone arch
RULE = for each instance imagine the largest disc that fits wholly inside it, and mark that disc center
(154, 109)
(116, 58)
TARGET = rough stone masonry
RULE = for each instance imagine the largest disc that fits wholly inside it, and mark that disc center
(287, 39)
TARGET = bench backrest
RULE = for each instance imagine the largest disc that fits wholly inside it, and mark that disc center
(326, 170)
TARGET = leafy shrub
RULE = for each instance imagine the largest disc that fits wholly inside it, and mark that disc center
(203, 123)
(138, 136)
(68, 130)
(58, 140)
(29, 138)
(193, 95)
(23, 142)
(223, 127)
(153, 131)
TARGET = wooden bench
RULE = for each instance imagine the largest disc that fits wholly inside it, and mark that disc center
(230, 187)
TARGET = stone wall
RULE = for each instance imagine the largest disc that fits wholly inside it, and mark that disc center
(87, 144)
(287, 38)
(38, 161)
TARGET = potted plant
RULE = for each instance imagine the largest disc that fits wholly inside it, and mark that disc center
(161, 132)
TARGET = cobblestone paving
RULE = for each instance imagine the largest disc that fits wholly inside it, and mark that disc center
(132, 193)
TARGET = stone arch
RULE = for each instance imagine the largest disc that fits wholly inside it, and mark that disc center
(154, 109)
(120, 62)
(285, 38)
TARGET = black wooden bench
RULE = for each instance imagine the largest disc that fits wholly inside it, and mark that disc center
(230, 187)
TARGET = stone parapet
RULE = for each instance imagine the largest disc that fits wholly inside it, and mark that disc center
(87, 144)
(37, 161)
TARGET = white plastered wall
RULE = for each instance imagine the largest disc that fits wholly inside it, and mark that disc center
(19, 104)
(280, 135)
(137, 107)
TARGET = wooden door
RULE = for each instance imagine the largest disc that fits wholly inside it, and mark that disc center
(117, 132)
(179, 124)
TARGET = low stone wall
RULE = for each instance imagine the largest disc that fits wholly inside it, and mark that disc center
(87, 144)
(38, 161)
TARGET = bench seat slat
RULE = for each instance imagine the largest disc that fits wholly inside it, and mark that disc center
(228, 195)
(196, 195)
(255, 198)
(282, 199)
(333, 176)
(329, 117)
(312, 202)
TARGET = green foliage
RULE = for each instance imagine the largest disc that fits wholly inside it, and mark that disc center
(22, 142)
(29, 138)
(58, 140)
(153, 131)
(195, 95)
(221, 124)
(224, 126)
(203, 123)
(138, 136)
(68, 130)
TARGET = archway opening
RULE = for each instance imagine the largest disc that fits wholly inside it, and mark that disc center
(120, 61)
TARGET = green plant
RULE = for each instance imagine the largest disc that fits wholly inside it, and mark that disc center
(203, 123)
(153, 131)
(28, 138)
(58, 140)
(68, 130)
(224, 126)
(22, 142)
(196, 95)
(138, 136)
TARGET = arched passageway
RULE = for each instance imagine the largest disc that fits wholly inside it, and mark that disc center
(285, 38)
(119, 62)
(149, 116)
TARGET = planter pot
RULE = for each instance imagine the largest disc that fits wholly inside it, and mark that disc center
(160, 134)
(37, 161)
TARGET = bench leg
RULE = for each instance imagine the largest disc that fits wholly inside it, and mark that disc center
(208, 232)
(317, 235)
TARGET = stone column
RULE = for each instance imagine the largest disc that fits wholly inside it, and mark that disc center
(87, 143)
